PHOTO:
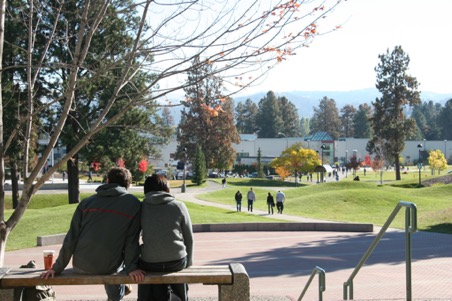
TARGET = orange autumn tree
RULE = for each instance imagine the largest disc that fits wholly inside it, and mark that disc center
(243, 40)
(282, 172)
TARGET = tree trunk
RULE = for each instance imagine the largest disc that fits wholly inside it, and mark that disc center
(73, 187)
(397, 167)
(15, 184)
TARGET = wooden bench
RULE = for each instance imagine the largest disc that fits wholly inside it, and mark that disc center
(232, 280)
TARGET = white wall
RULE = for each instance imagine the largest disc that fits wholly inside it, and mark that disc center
(272, 147)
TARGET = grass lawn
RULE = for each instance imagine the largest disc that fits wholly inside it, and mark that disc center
(348, 201)
(50, 214)
(365, 201)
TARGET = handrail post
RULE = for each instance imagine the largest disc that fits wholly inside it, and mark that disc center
(322, 283)
(410, 227)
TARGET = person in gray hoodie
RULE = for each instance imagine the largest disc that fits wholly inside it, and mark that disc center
(167, 238)
(103, 237)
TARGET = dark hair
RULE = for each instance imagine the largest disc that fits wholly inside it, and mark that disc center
(120, 175)
(156, 183)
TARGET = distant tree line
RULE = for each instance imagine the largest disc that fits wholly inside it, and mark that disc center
(276, 116)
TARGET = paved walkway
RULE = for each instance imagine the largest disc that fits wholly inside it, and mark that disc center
(280, 263)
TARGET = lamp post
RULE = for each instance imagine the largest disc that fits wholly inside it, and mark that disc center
(183, 188)
(419, 163)
(323, 176)
(346, 160)
(425, 145)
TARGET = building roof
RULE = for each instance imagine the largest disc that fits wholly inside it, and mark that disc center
(247, 137)
(321, 136)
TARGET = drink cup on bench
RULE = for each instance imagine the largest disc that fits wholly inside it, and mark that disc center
(48, 259)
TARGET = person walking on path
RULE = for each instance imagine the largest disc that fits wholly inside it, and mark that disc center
(270, 203)
(167, 239)
(280, 198)
(103, 238)
(238, 200)
(251, 196)
(223, 183)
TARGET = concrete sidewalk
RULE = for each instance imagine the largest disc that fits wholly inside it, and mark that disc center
(280, 263)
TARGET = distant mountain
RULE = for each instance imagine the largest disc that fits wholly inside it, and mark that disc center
(305, 101)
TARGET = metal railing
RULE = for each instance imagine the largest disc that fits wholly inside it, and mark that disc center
(410, 227)
(322, 286)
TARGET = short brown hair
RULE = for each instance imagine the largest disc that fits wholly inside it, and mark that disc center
(156, 183)
(120, 175)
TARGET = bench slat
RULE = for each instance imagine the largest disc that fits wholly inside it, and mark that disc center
(197, 274)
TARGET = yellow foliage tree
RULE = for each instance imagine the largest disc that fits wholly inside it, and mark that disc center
(437, 161)
(297, 159)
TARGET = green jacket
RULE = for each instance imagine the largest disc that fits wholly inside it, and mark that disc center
(103, 234)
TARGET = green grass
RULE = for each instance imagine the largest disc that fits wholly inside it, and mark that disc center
(348, 201)
(362, 202)
(50, 214)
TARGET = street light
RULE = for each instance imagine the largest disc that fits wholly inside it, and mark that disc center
(346, 160)
(183, 188)
(323, 176)
(419, 163)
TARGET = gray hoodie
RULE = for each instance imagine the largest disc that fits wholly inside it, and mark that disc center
(167, 230)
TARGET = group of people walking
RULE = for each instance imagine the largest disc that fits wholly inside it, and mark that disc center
(251, 198)
(104, 234)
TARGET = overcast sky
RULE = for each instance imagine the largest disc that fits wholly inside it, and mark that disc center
(345, 60)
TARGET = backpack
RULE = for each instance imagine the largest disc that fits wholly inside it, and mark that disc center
(34, 293)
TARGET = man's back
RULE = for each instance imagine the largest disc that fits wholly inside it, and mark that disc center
(104, 232)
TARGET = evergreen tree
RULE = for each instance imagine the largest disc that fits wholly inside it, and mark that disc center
(291, 122)
(399, 89)
(348, 113)
(326, 118)
(445, 120)
(245, 117)
(199, 167)
(167, 117)
(259, 167)
(269, 122)
(426, 117)
(361, 123)
(207, 118)
(305, 126)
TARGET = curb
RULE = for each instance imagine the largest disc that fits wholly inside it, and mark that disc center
(57, 239)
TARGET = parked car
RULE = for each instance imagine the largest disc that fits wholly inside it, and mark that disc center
(273, 177)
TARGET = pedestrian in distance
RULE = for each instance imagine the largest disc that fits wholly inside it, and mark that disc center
(251, 196)
(238, 200)
(280, 198)
(223, 183)
(167, 237)
(103, 238)
(270, 203)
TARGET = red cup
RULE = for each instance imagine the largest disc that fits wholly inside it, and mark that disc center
(48, 259)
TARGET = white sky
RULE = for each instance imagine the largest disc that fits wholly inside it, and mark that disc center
(345, 59)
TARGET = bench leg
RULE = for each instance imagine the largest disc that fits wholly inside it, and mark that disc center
(240, 288)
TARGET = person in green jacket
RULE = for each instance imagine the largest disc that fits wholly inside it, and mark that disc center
(167, 238)
(103, 237)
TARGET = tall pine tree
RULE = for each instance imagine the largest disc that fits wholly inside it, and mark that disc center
(399, 90)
